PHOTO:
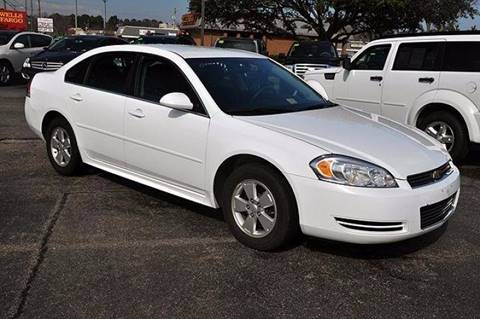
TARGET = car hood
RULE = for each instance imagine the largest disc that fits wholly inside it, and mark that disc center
(399, 149)
(55, 56)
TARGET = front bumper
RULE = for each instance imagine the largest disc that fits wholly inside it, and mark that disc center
(29, 73)
(320, 204)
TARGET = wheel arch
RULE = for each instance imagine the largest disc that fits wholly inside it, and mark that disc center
(48, 117)
(236, 160)
(457, 104)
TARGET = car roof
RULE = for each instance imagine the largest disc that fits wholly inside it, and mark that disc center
(428, 36)
(89, 36)
(190, 51)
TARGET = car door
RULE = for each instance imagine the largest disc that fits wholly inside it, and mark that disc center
(18, 56)
(97, 102)
(361, 86)
(163, 143)
(414, 73)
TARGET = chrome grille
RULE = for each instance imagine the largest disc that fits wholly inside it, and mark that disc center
(430, 177)
(46, 66)
(301, 69)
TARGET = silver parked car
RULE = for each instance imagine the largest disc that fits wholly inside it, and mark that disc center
(15, 48)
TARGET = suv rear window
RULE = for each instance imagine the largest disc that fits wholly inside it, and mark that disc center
(247, 45)
(462, 57)
(418, 57)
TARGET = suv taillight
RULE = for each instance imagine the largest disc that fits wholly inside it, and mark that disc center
(29, 84)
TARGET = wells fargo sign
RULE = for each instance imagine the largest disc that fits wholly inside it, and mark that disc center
(13, 20)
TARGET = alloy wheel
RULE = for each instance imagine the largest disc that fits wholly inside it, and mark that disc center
(4, 74)
(254, 208)
(442, 132)
(61, 147)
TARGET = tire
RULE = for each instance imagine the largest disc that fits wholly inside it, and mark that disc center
(460, 147)
(6, 73)
(278, 192)
(74, 163)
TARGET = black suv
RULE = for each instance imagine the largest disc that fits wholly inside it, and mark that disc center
(310, 55)
(63, 50)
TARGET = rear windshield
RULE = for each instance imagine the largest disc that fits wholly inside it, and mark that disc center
(313, 49)
(5, 37)
(236, 44)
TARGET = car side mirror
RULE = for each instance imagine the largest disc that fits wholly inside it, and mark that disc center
(18, 46)
(177, 100)
(347, 63)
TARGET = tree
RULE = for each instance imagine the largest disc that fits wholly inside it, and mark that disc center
(336, 20)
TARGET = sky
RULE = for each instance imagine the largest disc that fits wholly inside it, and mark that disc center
(153, 9)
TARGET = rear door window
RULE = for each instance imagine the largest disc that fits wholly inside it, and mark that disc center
(111, 72)
(76, 74)
(418, 57)
(462, 57)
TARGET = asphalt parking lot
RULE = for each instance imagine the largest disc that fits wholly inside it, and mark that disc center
(99, 246)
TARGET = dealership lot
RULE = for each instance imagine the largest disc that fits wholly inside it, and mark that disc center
(100, 246)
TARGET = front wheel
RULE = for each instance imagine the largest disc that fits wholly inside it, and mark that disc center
(260, 208)
(449, 130)
(6, 74)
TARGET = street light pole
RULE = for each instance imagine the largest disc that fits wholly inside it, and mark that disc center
(76, 14)
(105, 16)
(202, 28)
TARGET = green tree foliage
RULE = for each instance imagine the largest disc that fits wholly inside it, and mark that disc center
(337, 20)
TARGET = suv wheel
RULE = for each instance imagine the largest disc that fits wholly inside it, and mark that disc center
(6, 74)
(449, 130)
(62, 147)
(259, 207)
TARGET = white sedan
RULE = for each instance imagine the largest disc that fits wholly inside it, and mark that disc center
(235, 130)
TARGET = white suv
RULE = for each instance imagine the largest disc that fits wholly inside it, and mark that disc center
(428, 81)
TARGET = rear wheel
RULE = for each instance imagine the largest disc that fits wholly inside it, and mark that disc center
(449, 130)
(259, 207)
(6, 74)
(62, 147)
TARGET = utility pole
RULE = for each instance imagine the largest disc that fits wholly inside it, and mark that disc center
(31, 15)
(39, 10)
(5, 4)
(105, 16)
(202, 28)
(76, 14)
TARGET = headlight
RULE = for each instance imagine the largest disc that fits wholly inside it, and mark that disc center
(350, 171)
(26, 64)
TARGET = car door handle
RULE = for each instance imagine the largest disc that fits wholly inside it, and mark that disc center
(138, 113)
(77, 97)
(426, 80)
(376, 78)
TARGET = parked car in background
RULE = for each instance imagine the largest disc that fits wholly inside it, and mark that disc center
(165, 39)
(64, 50)
(15, 48)
(428, 81)
(233, 129)
(306, 56)
(247, 44)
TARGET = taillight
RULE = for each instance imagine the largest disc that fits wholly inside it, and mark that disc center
(29, 84)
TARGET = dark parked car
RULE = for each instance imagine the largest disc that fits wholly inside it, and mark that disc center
(247, 44)
(64, 50)
(165, 39)
(311, 55)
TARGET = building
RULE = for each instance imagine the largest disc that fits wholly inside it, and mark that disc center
(133, 32)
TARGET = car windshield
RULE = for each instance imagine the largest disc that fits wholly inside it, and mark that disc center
(5, 37)
(74, 44)
(237, 44)
(313, 49)
(251, 86)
